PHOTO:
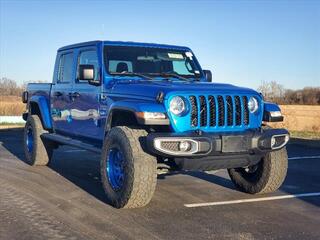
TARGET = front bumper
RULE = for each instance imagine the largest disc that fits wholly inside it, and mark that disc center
(212, 144)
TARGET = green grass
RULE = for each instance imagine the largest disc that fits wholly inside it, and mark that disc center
(305, 134)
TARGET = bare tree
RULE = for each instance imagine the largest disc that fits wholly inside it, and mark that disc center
(272, 91)
(9, 87)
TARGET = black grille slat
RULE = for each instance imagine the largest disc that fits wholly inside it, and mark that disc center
(238, 110)
(246, 110)
(194, 111)
(203, 111)
(221, 111)
(212, 111)
(229, 111)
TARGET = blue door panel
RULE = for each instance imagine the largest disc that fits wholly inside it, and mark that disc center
(85, 111)
(86, 119)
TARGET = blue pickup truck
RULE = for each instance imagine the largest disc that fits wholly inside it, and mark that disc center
(144, 106)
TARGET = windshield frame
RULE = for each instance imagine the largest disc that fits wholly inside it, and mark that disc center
(154, 76)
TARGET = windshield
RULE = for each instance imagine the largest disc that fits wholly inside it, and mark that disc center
(152, 62)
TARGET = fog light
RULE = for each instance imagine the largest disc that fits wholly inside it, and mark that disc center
(184, 146)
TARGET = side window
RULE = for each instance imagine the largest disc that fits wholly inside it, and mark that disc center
(89, 57)
(65, 68)
(182, 67)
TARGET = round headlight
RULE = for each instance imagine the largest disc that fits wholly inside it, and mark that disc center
(253, 104)
(177, 105)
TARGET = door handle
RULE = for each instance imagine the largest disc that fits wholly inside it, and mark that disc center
(57, 94)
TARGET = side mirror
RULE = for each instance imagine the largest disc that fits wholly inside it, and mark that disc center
(208, 75)
(87, 73)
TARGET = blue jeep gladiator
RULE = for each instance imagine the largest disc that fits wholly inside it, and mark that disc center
(144, 106)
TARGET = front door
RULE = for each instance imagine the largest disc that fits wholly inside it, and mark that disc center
(85, 104)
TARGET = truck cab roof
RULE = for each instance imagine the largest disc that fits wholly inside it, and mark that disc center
(121, 43)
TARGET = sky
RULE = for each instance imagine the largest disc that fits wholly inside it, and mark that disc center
(241, 42)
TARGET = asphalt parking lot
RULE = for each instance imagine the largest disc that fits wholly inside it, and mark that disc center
(65, 201)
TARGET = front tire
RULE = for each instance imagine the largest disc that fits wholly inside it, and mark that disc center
(37, 151)
(128, 174)
(265, 177)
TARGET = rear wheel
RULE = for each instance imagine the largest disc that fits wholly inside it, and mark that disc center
(128, 174)
(264, 177)
(37, 151)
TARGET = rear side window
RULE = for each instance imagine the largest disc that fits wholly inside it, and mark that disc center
(89, 57)
(65, 67)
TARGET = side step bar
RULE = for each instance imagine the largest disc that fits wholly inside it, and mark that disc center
(71, 142)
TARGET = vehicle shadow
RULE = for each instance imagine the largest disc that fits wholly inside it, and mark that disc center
(78, 166)
(12, 139)
(82, 169)
(206, 176)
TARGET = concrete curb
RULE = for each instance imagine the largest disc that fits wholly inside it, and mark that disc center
(11, 119)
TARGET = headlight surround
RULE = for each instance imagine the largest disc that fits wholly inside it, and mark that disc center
(177, 105)
(253, 104)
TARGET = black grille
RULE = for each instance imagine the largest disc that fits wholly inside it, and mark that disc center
(212, 111)
(194, 111)
(237, 104)
(170, 145)
(246, 110)
(229, 111)
(203, 111)
(219, 111)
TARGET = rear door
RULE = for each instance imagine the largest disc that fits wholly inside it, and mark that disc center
(62, 86)
(86, 120)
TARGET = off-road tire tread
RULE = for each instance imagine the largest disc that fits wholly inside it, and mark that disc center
(42, 149)
(144, 175)
(275, 165)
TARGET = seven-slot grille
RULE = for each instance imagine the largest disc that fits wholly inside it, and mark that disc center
(219, 111)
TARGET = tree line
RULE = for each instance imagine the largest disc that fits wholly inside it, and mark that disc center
(272, 91)
(9, 87)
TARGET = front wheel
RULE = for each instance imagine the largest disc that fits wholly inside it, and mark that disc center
(128, 174)
(264, 177)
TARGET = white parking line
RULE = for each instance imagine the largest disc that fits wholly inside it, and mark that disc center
(305, 157)
(192, 205)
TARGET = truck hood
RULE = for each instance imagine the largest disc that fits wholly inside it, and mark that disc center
(150, 89)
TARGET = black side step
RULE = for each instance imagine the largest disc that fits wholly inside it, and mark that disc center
(71, 142)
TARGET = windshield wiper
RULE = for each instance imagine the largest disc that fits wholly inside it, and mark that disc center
(173, 74)
(134, 74)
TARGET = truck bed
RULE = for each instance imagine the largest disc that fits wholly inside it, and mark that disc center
(39, 89)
